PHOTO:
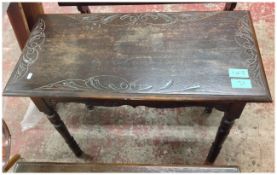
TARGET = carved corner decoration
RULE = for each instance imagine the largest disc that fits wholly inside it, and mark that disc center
(244, 39)
(31, 51)
(115, 84)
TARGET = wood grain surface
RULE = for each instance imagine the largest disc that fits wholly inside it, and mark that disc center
(141, 56)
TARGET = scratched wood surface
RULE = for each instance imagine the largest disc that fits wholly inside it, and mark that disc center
(161, 56)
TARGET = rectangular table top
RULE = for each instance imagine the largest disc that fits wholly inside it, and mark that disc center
(186, 56)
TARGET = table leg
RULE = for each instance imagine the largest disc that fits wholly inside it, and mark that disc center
(55, 119)
(232, 112)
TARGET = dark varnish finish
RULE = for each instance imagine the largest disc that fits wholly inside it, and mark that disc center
(185, 56)
(153, 59)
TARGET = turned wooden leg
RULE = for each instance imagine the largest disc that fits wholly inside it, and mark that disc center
(232, 112)
(55, 119)
(52, 103)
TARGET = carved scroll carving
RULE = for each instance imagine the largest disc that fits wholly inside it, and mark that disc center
(115, 84)
(96, 21)
(31, 51)
(244, 39)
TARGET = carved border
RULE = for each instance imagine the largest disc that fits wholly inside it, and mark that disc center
(37, 37)
(244, 38)
(31, 51)
(118, 84)
(98, 20)
(115, 84)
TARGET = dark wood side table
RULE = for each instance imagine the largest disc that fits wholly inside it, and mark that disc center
(152, 59)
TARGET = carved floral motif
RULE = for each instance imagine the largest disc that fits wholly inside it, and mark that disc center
(31, 51)
(119, 84)
(115, 84)
(98, 20)
(244, 39)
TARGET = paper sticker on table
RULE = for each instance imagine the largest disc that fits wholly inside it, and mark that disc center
(29, 76)
(241, 83)
(238, 73)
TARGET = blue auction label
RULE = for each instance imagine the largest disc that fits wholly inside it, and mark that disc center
(238, 73)
(241, 83)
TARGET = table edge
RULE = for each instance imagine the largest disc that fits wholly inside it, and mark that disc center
(146, 97)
